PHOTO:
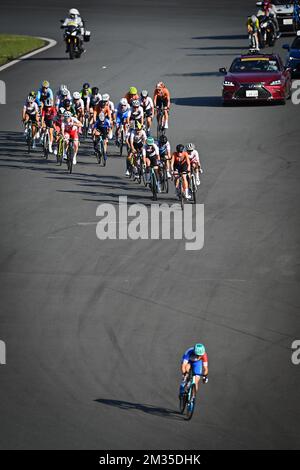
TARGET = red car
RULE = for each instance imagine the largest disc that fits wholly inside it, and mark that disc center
(256, 77)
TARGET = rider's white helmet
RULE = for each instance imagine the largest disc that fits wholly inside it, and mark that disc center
(67, 114)
(123, 102)
(76, 95)
(105, 97)
(74, 11)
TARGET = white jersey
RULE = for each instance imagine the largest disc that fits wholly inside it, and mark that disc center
(79, 104)
(194, 157)
(150, 152)
(70, 125)
(111, 106)
(77, 21)
(31, 108)
(165, 150)
(136, 139)
(147, 104)
(136, 115)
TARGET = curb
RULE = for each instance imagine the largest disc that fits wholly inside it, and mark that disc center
(51, 43)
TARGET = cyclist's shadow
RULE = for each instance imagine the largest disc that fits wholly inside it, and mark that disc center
(149, 409)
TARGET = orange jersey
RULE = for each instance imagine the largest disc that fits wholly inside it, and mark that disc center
(181, 159)
(162, 93)
(106, 110)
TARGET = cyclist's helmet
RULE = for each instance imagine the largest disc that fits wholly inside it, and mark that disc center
(33, 94)
(144, 93)
(138, 126)
(62, 87)
(45, 84)
(105, 97)
(61, 111)
(179, 148)
(163, 140)
(101, 117)
(160, 85)
(85, 86)
(199, 349)
(30, 99)
(253, 18)
(48, 103)
(76, 95)
(123, 102)
(190, 147)
(135, 103)
(150, 141)
(67, 114)
(95, 90)
(132, 90)
(64, 92)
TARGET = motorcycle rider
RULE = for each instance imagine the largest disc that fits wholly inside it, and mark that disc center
(268, 9)
(74, 19)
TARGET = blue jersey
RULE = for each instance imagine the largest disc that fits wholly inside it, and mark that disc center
(41, 96)
(122, 116)
(195, 361)
(102, 124)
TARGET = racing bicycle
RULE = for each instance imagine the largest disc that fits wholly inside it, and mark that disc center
(99, 150)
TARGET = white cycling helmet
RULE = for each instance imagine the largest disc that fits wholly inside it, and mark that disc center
(190, 147)
(30, 99)
(67, 114)
(105, 97)
(253, 18)
(76, 95)
(74, 11)
(123, 102)
(62, 88)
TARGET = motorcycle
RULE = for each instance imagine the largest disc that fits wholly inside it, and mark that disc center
(267, 32)
(72, 37)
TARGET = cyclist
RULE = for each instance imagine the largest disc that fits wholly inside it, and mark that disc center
(137, 112)
(122, 117)
(180, 164)
(151, 158)
(78, 105)
(254, 29)
(162, 99)
(49, 113)
(101, 128)
(195, 161)
(148, 108)
(95, 99)
(106, 99)
(85, 94)
(132, 94)
(197, 359)
(67, 104)
(102, 107)
(31, 113)
(62, 94)
(69, 129)
(44, 93)
(165, 152)
(57, 122)
(137, 141)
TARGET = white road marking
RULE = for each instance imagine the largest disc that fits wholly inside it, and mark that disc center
(51, 43)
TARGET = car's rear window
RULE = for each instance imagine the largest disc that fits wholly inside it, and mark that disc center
(249, 65)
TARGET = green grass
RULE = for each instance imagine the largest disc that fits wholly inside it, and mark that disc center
(13, 46)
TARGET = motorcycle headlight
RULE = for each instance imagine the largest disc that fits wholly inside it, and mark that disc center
(228, 83)
(275, 82)
(74, 33)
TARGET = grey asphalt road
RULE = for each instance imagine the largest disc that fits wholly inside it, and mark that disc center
(95, 329)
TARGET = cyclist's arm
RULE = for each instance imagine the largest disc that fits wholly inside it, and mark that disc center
(167, 94)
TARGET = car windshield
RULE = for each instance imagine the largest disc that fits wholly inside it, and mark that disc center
(296, 44)
(254, 65)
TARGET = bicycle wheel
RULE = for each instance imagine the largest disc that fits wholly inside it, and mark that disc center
(193, 188)
(60, 152)
(165, 181)
(103, 152)
(70, 157)
(182, 402)
(181, 196)
(154, 185)
(29, 139)
(46, 145)
(191, 403)
(121, 142)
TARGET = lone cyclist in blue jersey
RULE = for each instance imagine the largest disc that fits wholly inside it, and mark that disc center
(197, 359)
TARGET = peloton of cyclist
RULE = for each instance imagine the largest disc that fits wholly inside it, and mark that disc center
(197, 359)
(162, 99)
(180, 164)
(195, 161)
